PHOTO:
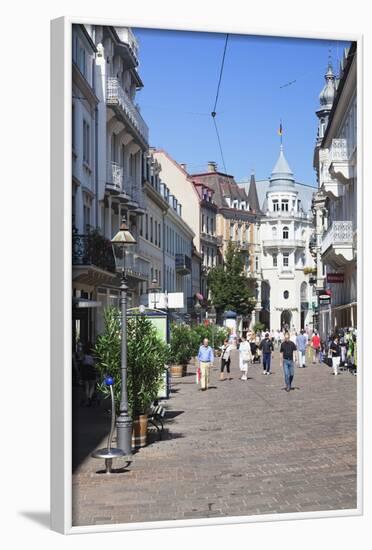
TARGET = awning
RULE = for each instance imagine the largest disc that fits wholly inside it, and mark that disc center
(84, 302)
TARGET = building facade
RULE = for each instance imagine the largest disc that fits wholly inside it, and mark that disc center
(109, 147)
(335, 205)
(199, 212)
(284, 294)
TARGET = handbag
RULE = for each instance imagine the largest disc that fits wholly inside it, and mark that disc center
(198, 375)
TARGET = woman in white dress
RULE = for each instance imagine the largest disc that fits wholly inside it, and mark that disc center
(245, 357)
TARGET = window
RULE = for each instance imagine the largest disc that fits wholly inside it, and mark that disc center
(256, 262)
(275, 205)
(159, 234)
(286, 295)
(86, 214)
(274, 232)
(203, 223)
(114, 147)
(73, 128)
(151, 230)
(147, 227)
(86, 142)
(285, 259)
(156, 233)
(285, 205)
(247, 233)
(285, 233)
(231, 231)
(141, 226)
(212, 228)
(82, 61)
(207, 229)
(275, 260)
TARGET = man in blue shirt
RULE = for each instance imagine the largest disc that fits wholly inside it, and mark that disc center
(206, 358)
(301, 343)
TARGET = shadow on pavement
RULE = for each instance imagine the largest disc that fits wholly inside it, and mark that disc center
(89, 426)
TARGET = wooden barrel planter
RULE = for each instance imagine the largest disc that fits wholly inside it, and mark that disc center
(177, 371)
(139, 433)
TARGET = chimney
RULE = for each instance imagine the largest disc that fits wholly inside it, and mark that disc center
(212, 166)
(183, 166)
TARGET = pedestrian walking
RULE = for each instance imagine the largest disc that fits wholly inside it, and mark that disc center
(88, 375)
(267, 349)
(301, 343)
(225, 359)
(335, 350)
(315, 346)
(206, 359)
(287, 350)
(293, 337)
(245, 357)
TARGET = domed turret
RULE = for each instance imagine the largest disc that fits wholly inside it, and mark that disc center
(327, 95)
(326, 98)
(282, 178)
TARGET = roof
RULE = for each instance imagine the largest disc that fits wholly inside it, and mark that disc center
(282, 178)
(223, 186)
(305, 192)
(253, 201)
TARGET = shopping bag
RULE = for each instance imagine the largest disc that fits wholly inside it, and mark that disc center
(198, 375)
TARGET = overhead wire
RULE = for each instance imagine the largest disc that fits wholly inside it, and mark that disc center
(214, 110)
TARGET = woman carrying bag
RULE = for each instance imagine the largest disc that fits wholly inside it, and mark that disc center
(245, 357)
(225, 359)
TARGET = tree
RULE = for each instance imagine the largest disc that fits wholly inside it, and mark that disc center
(230, 288)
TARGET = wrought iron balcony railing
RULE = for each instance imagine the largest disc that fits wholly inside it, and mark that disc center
(183, 264)
(92, 249)
(117, 97)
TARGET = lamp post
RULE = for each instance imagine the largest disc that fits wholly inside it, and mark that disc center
(120, 241)
(154, 288)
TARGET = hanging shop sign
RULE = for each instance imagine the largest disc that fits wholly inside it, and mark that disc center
(335, 277)
(324, 300)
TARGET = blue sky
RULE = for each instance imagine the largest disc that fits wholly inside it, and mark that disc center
(180, 72)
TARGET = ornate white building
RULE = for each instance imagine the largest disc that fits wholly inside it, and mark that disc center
(335, 204)
(285, 296)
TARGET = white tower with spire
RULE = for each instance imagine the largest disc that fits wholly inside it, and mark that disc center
(285, 233)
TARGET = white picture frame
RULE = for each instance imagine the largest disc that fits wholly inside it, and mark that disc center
(61, 310)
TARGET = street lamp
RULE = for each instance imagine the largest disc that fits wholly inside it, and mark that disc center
(154, 288)
(120, 241)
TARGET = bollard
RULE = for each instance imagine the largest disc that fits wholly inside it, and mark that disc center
(109, 452)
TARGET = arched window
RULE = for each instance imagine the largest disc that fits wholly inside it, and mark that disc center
(285, 233)
(286, 295)
(274, 232)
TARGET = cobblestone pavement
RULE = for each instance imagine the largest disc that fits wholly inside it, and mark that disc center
(240, 448)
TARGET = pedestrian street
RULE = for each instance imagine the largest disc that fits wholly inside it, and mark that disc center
(239, 448)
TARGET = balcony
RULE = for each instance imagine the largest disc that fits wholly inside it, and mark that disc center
(183, 264)
(284, 243)
(340, 167)
(92, 259)
(128, 46)
(136, 267)
(210, 239)
(337, 244)
(119, 100)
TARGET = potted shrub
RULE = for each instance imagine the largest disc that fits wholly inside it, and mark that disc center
(181, 349)
(310, 270)
(146, 359)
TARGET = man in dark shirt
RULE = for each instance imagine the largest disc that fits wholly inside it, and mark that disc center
(267, 348)
(335, 350)
(286, 360)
